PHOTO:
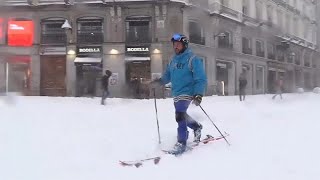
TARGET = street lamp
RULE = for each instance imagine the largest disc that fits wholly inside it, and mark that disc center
(66, 25)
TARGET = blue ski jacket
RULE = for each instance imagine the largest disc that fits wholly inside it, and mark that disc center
(186, 78)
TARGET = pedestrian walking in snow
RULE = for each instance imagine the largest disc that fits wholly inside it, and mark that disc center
(187, 75)
(278, 86)
(242, 86)
(105, 86)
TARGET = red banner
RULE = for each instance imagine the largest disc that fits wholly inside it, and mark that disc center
(20, 33)
(1, 31)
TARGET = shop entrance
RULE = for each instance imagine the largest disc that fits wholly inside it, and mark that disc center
(53, 75)
(88, 80)
(222, 78)
(138, 75)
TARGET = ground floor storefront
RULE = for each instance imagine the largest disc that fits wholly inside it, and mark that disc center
(77, 71)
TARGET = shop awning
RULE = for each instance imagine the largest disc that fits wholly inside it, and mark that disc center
(135, 58)
(87, 60)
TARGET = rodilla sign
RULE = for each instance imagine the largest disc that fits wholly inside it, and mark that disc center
(20, 33)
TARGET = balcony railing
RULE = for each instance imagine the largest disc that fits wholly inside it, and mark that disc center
(90, 37)
(307, 64)
(260, 53)
(54, 39)
(138, 36)
(223, 44)
(246, 50)
(197, 39)
(249, 19)
(286, 6)
(272, 56)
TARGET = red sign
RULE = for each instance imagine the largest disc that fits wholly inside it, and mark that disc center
(1, 31)
(20, 33)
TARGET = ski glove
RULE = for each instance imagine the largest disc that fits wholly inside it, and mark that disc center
(155, 83)
(197, 99)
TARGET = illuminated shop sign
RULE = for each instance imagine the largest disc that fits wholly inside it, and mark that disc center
(137, 49)
(20, 33)
(82, 50)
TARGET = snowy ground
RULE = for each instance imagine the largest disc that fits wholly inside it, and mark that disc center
(47, 138)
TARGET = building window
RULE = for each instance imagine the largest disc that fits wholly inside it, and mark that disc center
(307, 61)
(314, 62)
(245, 7)
(270, 51)
(295, 3)
(297, 58)
(258, 10)
(295, 23)
(269, 13)
(279, 18)
(51, 31)
(196, 33)
(259, 78)
(225, 41)
(291, 57)
(138, 29)
(280, 55)
(260, 48)
(225, 3)
(288, 29)
(90, 30)
(246, 45)
(306, 29)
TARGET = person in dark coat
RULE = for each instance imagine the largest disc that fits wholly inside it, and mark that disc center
(279, 86)
(242, 86)
(105, 86)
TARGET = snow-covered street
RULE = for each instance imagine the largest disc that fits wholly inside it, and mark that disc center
(55, 138)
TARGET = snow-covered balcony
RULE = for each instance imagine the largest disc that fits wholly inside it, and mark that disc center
(217, 8)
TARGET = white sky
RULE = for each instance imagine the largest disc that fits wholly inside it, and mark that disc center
(47, 138)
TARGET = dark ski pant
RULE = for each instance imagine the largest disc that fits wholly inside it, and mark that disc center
(279, 92)
(242, 93)
(105, 94)
(184, 120)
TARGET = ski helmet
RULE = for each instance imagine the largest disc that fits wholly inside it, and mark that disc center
(181, 38)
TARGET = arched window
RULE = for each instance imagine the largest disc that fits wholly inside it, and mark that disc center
(196, 33)
(51, 31)
(90, 30)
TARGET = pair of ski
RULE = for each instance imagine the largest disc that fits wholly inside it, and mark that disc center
(156, 159)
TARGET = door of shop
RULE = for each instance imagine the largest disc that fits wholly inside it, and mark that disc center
(53, 74)
(138, 75)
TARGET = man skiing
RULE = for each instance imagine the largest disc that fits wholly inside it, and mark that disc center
(105, 86)
(187, 75)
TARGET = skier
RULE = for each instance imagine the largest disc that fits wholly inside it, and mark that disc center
(242, 86)
(187, 76)
(105, 86)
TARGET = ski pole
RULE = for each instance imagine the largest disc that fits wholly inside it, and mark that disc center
(214, 125)
(155, 106)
